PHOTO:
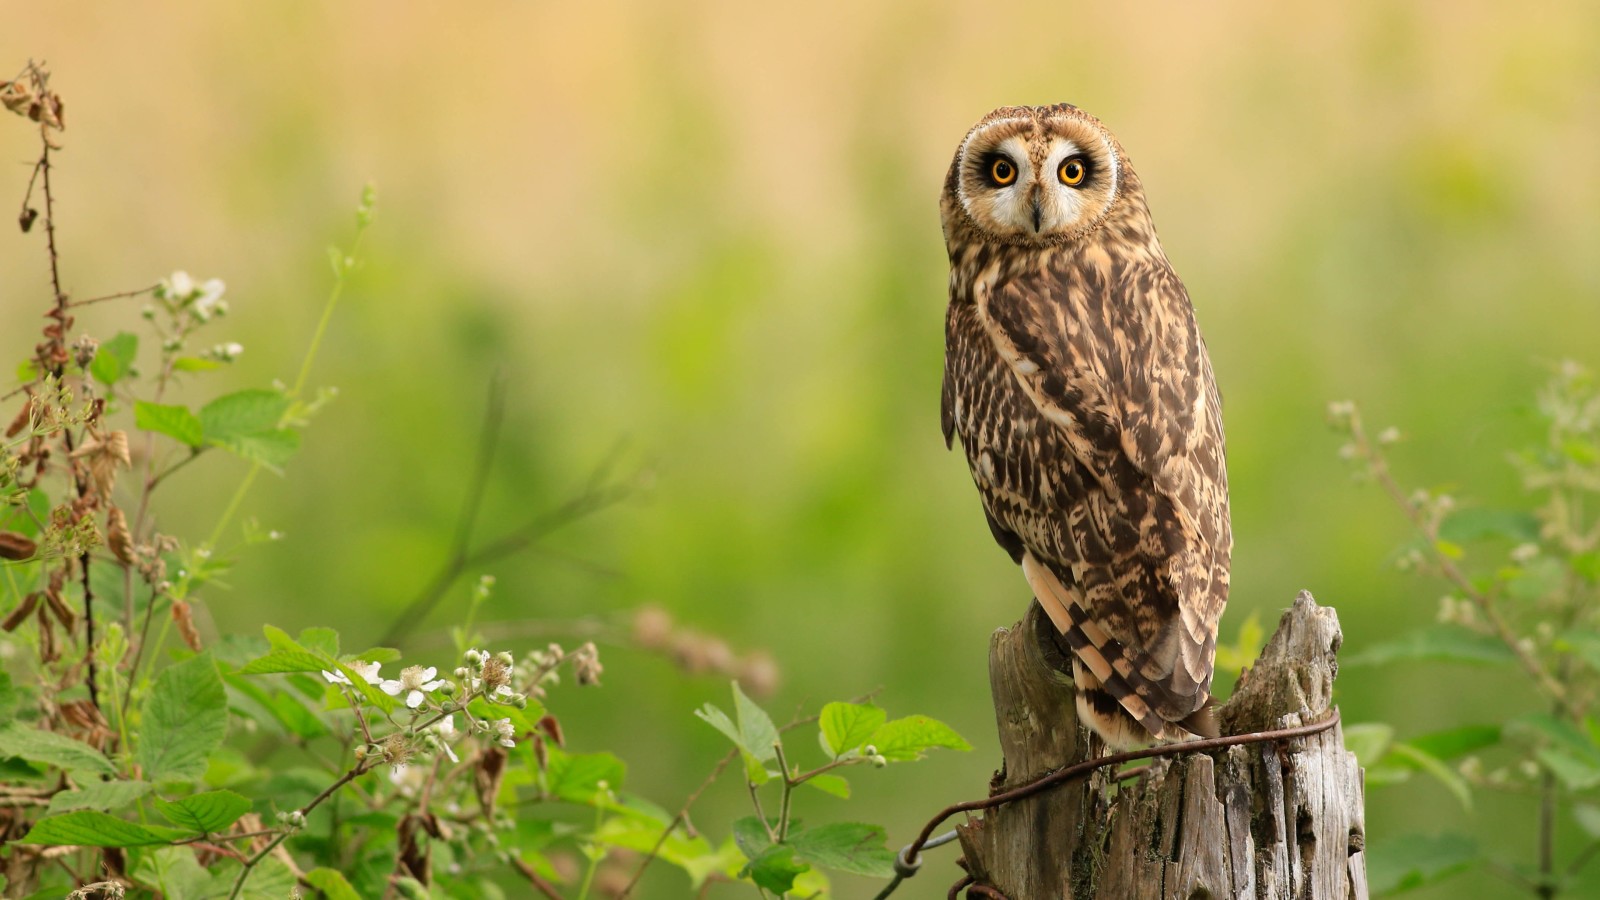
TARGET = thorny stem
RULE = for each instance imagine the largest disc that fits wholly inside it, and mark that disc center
(534, 878)
(283, 834)
(1379, 467)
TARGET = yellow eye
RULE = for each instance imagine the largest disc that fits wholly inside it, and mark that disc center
(1072, 171)
(1002, 171)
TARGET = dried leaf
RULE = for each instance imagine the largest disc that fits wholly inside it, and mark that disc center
(183, 615)
(16, 547)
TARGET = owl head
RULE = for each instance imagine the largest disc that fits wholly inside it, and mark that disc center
(1036, 175)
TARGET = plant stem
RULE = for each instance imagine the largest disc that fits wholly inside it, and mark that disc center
(788, 791)
(1547, 834)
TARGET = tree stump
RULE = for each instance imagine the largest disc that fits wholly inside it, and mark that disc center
(1260, 821)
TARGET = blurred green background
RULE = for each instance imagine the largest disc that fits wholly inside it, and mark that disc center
(708, 232)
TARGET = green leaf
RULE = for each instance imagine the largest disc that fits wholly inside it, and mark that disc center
(242, 412)
(27, 371)
(269, 880)
(246, 423)
(830, 784)
(845, 847)
(114, 358)
(1539, 578)
(376, 655)
(577, 777)
(775, 869)
(911, 737)
(332, 883)
(760, 735)
(754, 734)
(194, 364)
(92, 828)
(206, 813)
(279, 661)
(102, 795)
(1444, 643)
(18, 739)
(1369, 741)
(173, 421)
(176, 872)
(10, 697)
(694, 855)
(1577, 773)
(1588, 818)
(1586, 565)
(1426, 762)
(751, 836)
(183, 719)
(846, 726)
(1454, 742)
(320, 640)
(1414, 860)
(272, 449)
(1477, 523)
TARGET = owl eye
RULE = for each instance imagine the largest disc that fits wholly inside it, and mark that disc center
(1073, 171)
(1002, 172)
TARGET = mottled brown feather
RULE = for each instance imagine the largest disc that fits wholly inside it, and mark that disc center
(1079, 388)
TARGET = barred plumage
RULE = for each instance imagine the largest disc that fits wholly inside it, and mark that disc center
(1079, 387)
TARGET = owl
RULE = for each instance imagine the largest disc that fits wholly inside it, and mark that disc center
(1081, 392)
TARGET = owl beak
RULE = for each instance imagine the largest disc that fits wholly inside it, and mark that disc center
(1038, 215)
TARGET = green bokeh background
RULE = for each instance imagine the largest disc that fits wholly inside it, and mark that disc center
(708, 232)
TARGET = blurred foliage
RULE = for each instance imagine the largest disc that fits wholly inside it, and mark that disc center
(709, 230)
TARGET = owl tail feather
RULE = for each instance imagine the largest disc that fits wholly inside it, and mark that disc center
(1107, 701)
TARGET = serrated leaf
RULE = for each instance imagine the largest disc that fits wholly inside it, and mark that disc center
(577, 777)
(775, 869)
(760, 735)
(1444, 643)
(18, 739)
(847, 726)
(320, 640)
(243, 412)
(911, 737)
(754, 769)
(830, 784)
(269, 880)
(272, 449)
(206, 813)
(694, 855)
(114, 358)
(1414, 860)
(751, 836)
(332, 883)
(845, 847)
(376, 654)
(183, 719)
(173, 421)
(279, 661)
(101, 795)
(92, 828)
(176, 872)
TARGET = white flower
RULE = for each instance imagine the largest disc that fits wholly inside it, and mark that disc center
(210, 293)
(415, 680)
(367, 670)
(506, 731)
(227, 352)
(446, 728)
(180, 285)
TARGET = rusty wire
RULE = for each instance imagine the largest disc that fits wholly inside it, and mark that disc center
(908, 860)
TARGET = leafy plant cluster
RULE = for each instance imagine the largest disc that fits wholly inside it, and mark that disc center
(1522, 594)
(142, 757)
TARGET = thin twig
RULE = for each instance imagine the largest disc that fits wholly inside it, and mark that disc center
(122, 295)
(597, 496)
(534, 878)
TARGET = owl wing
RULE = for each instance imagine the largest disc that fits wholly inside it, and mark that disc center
(1127, 532)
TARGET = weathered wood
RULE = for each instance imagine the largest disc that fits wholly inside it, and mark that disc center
(1279, 820)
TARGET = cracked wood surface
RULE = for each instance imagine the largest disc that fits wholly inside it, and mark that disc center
(1264, 821)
